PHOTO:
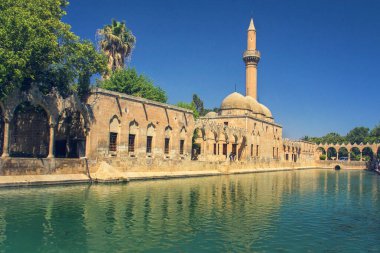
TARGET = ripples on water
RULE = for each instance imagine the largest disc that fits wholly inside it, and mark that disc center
(294, 211)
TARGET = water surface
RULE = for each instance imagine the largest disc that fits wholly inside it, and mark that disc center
(293, 211)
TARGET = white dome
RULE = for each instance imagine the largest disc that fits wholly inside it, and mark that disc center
(235, 101)
(211, 115)
(266, 111)
(254, 105)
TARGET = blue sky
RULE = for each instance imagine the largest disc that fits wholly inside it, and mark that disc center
(319, 71)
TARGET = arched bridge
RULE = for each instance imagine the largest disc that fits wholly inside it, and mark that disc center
(348, 148)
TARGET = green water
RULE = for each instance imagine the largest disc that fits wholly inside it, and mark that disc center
(295, 211)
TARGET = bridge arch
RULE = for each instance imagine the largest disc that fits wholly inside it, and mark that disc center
(331, 153)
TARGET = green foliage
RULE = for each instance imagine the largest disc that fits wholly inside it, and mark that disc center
(322, 157)
(197, 101)
(357, 135)
(129, 82)
(37, 47)
(190, 106)
(117, 43)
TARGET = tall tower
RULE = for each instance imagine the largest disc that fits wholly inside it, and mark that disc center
(251, 58)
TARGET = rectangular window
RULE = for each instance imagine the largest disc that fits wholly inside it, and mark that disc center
(273, 152)
(131, 143)
(226, 123)
(287, 157)
(218, 149)
(251, 150)
(225, 149)
(181, 146)
(167, 141)
(257, 150)
(214, 148)
(113, 142)
(149, 144)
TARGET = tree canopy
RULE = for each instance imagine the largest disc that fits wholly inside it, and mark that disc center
(128, 81)
(356, 135)
(190, 106)
(36, 47)
(117, 43)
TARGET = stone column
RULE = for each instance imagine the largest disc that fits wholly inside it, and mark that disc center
(361, 155)
(337, 155)
(51, 142)
(6, 139)
(349, 156)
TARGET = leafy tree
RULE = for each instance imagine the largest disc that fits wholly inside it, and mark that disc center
(358, 135)
(190, 106)
(36, 47)
(198, 104)
(117, 43)
(129, 82)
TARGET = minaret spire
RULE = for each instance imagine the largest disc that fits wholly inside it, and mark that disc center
(251, 26)
(251, 58)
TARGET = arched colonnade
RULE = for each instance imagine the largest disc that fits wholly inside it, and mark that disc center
(33, 124)
(332, 151)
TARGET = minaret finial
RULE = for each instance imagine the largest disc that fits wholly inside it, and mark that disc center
(251, 26)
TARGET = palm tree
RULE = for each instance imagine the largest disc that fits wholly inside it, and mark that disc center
(117, 43)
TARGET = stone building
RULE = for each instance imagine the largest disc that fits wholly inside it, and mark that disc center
(261, 137)
(141, 133)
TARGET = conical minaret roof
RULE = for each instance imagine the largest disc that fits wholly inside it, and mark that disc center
(251, 26)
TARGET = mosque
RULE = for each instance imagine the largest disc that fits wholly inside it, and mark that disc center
(137, 134)
(262, 136)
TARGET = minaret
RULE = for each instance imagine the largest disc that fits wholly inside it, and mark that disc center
(251, 58)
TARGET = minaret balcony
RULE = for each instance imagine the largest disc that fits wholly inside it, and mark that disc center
(251, 56)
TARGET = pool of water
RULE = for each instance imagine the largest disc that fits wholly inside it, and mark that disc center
(293, 211)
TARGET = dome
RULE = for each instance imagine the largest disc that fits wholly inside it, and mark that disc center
(267, 112)
(211, 115)
(254, 105)
(235, 101)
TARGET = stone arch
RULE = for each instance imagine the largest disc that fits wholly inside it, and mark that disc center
(343, 153)
(70, 135)
(367, 153)
(331, 153)
(182, 141)
(151, 130)
(355, 154)
(168, 131)
(133, 136)
(133, 127)
(114, 133)
(168, 140)
(29, 131)
(321, 151)
(150, 138)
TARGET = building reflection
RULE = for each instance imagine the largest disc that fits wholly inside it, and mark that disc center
(238, 210)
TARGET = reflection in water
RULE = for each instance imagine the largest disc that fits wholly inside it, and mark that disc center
(298, 210)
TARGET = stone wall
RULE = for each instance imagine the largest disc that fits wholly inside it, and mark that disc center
(32, 166)
(124, 115)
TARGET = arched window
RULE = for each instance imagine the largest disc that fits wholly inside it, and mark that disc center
(168, 133)
(149, 138)
(114, 133)
(133, 130)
